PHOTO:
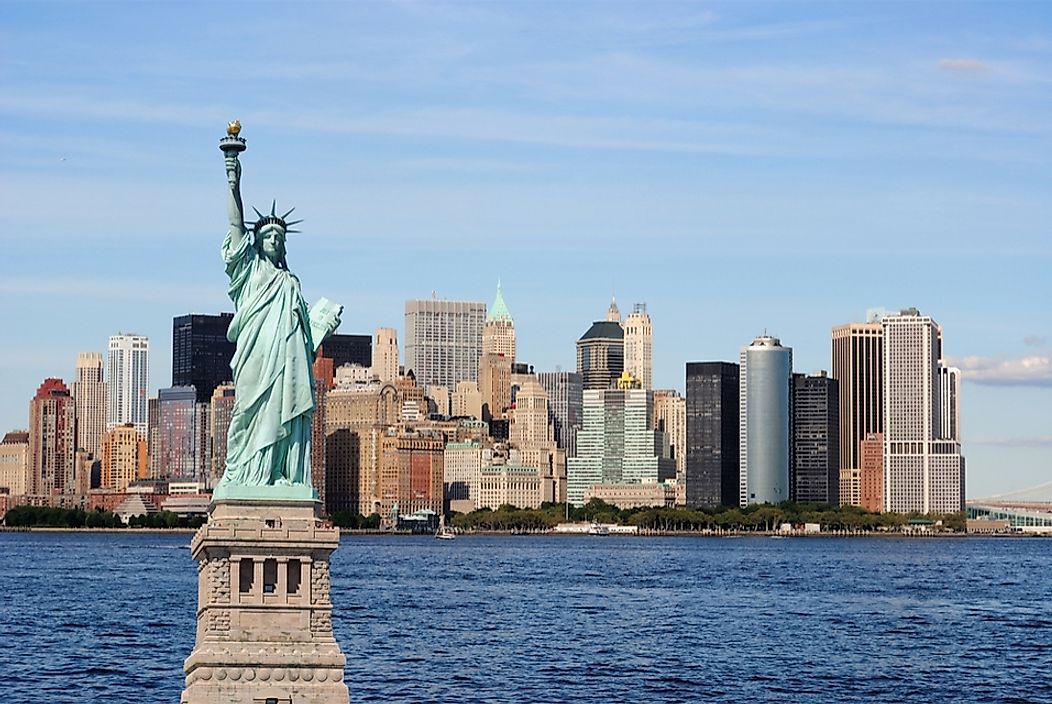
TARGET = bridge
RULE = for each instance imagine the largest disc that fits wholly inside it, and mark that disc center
(1027, 509)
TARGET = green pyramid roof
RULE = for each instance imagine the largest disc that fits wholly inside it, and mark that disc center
(499, 309)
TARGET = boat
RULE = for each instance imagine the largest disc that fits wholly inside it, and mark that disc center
(598, 529)
(444, 532)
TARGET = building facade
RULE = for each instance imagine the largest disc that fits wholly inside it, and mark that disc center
(639, 346)
(565, 392)
(922, 471)
(52, 467)
(858, 368)
(443, 341)
(601, 355)
(816, 436)
(764, 387)
(128, 381)
(123, 458)
(871, 473)
(201, 353)
(183, 435)
(617, 443)
(348, 349)
(14, 463)
(219, 415)
(411, 472)
(670, 417)
(950, 400)
(89, 402)
(712, 470)
(385, 355)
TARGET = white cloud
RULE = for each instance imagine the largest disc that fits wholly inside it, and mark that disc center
(1033, 370)
(963, 65)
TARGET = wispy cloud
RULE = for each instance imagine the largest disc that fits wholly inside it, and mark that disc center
(1034, 341)
(1034, 370)
(963, 65)
(1006, 441)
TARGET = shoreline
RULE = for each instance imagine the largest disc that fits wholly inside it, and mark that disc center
(543, 534)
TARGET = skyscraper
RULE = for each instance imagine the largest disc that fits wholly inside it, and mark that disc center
(713, 441)
(348, 349)
(443, 341)
(639, 346)
(950, 398)
(385, 354)
(123, 458)
(601, 355)
(183, 434)
(127, 381)
(565, 403)
(201, 352)
(498, 332)
(617, 443)
(51, 440)
(815, 449)
(89, 402)
(14, 463)
(923, 471)
(497, 360)
(764, 383)
(670, 417)
(219, 416)
(858, 369)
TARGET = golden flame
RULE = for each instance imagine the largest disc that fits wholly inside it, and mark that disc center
(234, 128)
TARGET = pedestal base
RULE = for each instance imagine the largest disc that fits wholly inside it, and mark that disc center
(264, 619)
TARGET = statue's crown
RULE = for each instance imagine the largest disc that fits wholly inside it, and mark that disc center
(275, 219)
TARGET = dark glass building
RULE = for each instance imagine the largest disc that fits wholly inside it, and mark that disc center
(601, 355)
(713, 443)
(348, 349)
(815, 448)
(201, 353)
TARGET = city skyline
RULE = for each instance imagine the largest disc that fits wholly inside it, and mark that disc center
(924, 154)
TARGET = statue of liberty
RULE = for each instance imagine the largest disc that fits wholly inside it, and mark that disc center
(276, 337)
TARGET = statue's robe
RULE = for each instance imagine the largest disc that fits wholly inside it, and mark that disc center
(269, 441)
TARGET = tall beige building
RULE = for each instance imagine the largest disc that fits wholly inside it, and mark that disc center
(385, 355)
(532, 435)
(123, 458)
(467, 401)
(219, 416)
(354, 421)
(922, 471)
(858, 350)
(89, 402)
(670, 417)
(498, 358)
(127, 381)
(639, 346)
(14, 463)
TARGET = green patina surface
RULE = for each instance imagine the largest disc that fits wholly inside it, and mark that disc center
(276, 337)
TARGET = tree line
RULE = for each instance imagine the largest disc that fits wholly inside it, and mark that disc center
(51, 517)
(757, 517)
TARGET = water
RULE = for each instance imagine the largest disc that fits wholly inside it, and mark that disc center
(109, 617)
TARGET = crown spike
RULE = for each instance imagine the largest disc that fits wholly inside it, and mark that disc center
(273, 208)
(287, 214)
(258, 214)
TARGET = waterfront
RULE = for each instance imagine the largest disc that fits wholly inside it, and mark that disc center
(109, 617)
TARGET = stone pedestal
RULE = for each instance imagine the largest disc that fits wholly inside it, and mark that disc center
(264, 615)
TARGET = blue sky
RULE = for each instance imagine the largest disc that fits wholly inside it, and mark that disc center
(739, 167)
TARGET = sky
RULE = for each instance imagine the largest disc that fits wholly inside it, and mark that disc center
(739, 167)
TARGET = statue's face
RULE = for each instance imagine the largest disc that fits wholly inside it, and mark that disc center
(272, 243)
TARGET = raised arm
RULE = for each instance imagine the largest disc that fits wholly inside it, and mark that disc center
(234, 208)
